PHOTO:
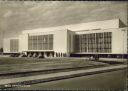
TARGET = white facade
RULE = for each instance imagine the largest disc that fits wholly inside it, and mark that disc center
(64, 36)
(6, 43)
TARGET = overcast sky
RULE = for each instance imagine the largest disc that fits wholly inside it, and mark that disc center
(17, 16)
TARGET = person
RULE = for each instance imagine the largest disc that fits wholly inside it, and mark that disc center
(96, 57)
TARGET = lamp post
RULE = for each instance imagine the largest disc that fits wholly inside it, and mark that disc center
(3, 41)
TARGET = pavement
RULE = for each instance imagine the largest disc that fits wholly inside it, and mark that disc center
(114, 59)
(62, 75)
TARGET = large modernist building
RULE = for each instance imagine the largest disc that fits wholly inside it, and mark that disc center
(106, 38)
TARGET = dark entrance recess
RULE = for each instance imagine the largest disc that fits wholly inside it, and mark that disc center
(101, 55)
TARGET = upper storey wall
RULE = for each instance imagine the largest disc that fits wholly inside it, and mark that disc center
(107, 24)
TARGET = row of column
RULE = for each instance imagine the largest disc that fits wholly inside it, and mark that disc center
(47, 54)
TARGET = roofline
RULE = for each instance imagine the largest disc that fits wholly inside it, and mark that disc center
(69, 25)
(83, 30)
(100, 29)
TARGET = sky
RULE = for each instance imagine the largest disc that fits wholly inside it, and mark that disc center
(16, 16)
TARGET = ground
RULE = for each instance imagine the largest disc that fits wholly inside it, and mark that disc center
(111, 80)
(28, 64)
(116, 81)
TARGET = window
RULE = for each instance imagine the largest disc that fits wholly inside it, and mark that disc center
(127, 41)
(95, 42)
(14, 45)
(40, 42)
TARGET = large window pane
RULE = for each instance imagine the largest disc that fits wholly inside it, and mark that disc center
(40, 42)
(95, 42)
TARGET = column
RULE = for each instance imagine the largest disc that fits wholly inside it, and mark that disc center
(45, 55)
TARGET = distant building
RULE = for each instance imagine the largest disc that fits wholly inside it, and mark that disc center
(107, 38)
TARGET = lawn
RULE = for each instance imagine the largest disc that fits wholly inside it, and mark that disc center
(10, 64)
(16, 60)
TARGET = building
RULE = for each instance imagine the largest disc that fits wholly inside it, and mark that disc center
(107, 38)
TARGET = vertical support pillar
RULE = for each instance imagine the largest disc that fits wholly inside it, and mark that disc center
(45, 55)
(39, 55)
(29, 54)
(58, 54)
(34, 55)
(61, 54)
(54, 54)
(50, 55)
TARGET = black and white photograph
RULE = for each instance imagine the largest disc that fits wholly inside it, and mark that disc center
(63, 45)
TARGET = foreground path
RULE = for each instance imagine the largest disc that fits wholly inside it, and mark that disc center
(61, 75)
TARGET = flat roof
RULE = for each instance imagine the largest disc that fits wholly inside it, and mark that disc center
(113, 23)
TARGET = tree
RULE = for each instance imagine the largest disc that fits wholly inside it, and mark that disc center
(1, 49)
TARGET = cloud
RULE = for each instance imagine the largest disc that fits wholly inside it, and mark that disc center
(44, 5)
(16, 17)
(34, 8)
(47, 14)
(8, 14)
